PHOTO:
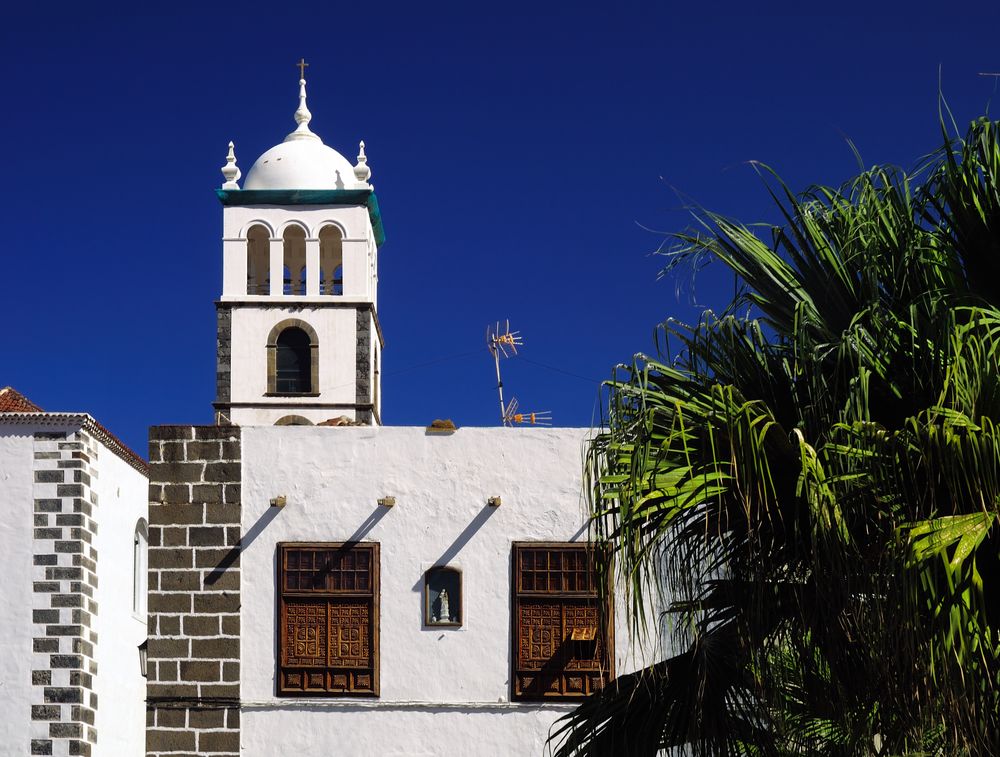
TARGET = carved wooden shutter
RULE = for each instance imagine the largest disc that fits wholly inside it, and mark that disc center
(561, 649)
(328, 619)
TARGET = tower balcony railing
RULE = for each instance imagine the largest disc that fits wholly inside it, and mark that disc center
(332, 287)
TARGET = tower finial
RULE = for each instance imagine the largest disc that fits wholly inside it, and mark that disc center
(361, 171)
(229, 171)
(302, 114)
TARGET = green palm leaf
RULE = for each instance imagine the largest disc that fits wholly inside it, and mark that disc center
(810, 481)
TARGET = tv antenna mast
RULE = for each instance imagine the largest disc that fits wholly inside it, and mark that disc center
(503, 341)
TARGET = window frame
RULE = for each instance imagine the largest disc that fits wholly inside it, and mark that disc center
(591, 678)
(329, 597)
(272, 358)
(429, 622)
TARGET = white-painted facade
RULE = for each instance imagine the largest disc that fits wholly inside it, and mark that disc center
(16, 465)
(121, 625)
(336, 330)
(51, 527)
(443, 691)
(440, 690)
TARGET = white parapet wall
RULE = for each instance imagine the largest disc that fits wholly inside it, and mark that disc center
(443, 691)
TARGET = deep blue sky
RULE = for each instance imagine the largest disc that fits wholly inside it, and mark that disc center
(521, 154)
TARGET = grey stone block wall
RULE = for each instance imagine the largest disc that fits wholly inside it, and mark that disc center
(223, 371)
(363, 358)
(193, 681)
(63, 609)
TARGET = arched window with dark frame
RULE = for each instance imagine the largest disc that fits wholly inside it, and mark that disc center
(443, 597)
(293, 359)
(293, 362)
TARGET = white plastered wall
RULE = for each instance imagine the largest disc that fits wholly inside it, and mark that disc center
(16, 464)
(336, 332)
(443, 692)
(123, 498)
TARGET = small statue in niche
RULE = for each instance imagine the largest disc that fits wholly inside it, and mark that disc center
(445, 614)
(443, 597)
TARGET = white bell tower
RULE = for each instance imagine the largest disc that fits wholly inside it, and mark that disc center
(298, 332)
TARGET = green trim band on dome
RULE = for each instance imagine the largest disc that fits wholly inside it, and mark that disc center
(366, 197)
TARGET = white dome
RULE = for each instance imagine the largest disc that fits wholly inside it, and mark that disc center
(301, 164)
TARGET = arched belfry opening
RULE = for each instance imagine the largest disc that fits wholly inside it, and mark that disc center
(258, 260)
(292, 359)
(331, 260)
(294, 254)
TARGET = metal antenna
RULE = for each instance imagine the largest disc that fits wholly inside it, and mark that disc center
(505, 342)
(513, 418)
(499, 342)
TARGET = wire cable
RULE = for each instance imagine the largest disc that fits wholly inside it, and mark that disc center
(558, 370)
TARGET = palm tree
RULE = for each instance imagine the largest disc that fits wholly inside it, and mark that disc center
(812, 481)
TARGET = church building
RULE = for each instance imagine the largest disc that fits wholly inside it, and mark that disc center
(317, 582)
(322, 583)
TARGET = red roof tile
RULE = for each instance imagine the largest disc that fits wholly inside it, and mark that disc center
(12, 401)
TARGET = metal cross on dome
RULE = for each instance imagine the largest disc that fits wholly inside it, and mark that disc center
(302, 67)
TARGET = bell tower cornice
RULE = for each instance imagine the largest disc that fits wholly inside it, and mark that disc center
(284, 197)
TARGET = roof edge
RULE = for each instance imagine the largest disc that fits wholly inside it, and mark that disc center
(89, 424)
(366, 197)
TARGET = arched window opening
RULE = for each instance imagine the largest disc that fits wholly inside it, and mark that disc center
(140, 550)
(294, 252)
(331, 260)
(258, 260)
(293, 365)
(292, 358)
(293, 420)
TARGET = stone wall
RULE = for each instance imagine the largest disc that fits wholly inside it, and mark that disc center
(63, 607)
(193, 668)
(223, 346)
(363, 359)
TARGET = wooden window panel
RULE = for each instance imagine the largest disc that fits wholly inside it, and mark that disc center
(562, 650)
(328, 619)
